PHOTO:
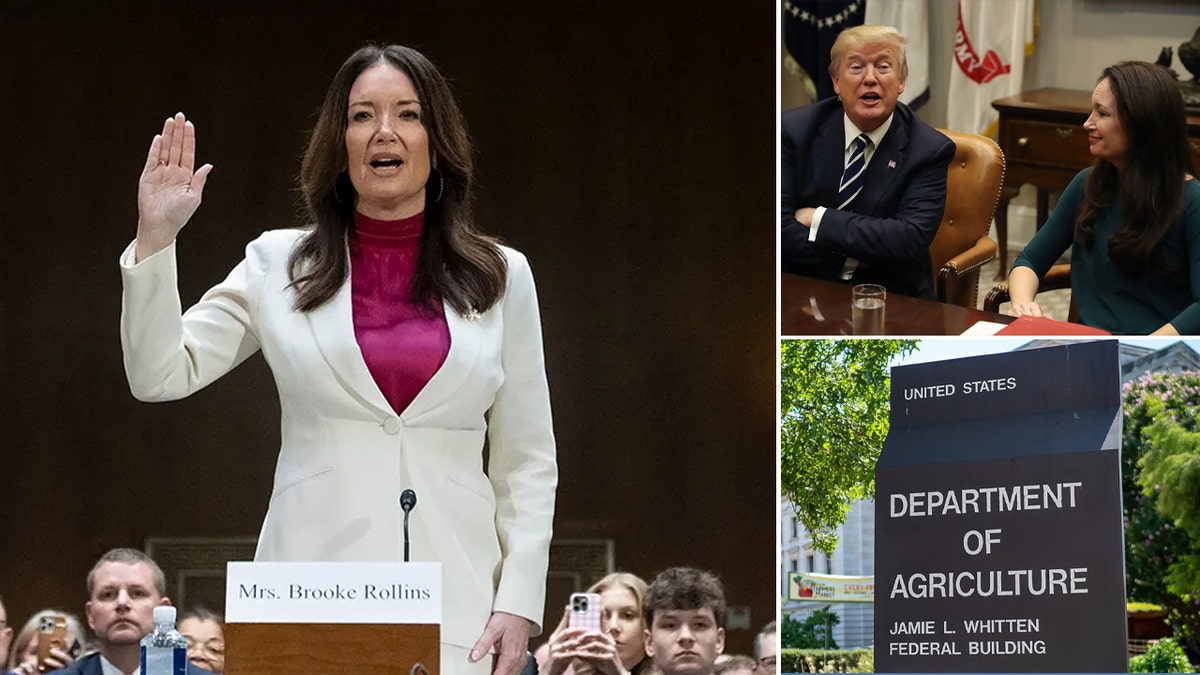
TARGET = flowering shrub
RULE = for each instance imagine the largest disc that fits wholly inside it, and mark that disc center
(827, 661)
(1155, 549)
(1164, 656)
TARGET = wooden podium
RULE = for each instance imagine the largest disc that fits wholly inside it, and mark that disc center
(363, 649)
(286, 618)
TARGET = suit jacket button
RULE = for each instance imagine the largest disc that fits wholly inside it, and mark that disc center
(392, 425)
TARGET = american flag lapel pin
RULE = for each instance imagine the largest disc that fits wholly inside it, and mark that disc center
(891, 163)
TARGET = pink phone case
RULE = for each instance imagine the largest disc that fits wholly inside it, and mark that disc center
(585, 611)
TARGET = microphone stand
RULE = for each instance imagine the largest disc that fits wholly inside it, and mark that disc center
(408, 500)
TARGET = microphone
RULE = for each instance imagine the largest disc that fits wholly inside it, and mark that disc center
(408, 500)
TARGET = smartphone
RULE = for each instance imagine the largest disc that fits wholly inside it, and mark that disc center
(585, 611)
(52, 634)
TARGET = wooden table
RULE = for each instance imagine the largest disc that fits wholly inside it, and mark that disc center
(809, 306)
(1045, 145)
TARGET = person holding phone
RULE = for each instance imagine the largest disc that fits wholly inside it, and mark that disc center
(608, 638)
(400, 338)
(63, 643)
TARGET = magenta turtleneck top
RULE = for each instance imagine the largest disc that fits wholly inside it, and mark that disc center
(403, 344)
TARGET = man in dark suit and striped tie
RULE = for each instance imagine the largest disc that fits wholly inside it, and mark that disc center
(863, 179)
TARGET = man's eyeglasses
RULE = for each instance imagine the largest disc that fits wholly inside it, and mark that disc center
(767, 663)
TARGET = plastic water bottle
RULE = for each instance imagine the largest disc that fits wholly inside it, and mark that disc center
(164, 650)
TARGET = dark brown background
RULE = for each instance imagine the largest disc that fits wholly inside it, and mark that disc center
(629, 151)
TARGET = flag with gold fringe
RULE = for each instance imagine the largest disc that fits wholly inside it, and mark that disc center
(911, 18)
(991, 42)
(811, 26)
(809, 29)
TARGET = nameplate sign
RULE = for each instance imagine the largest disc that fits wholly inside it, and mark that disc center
(333, 592)
(998, 530)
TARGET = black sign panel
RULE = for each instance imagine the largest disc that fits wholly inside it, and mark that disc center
(998, 532)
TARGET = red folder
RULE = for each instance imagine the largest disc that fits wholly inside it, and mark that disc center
(1040, 325)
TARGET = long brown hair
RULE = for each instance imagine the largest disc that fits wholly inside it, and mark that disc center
(454, 260)
(1150, 110)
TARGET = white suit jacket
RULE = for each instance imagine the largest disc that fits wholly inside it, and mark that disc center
(346, 455)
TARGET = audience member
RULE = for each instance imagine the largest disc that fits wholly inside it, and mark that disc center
(1131, 220)
(23, 657)
(205, 633)
(6, 633)
(684, 611)
(123, 588)
(619, 649)
(733, 664)
(766, 648)
(863, 179)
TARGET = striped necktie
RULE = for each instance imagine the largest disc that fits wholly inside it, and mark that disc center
(852, 179)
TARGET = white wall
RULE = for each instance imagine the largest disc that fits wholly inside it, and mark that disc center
(1084, 36)
(1076, 40)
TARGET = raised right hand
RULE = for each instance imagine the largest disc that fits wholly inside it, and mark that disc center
(169, 191)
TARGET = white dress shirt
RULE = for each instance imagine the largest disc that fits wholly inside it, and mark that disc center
(852, 132)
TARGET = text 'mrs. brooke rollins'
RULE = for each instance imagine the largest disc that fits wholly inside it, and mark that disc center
(336, 592)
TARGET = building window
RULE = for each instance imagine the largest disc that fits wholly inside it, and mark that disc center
(808, 563)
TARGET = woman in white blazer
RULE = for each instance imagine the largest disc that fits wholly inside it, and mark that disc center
(389, 148)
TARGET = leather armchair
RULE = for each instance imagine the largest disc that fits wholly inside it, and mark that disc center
(962, 244)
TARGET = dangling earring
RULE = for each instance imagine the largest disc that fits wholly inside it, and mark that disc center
(441, 186)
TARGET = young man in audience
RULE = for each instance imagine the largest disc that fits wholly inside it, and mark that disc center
(123, 587)
(766, 648)
(684, 612)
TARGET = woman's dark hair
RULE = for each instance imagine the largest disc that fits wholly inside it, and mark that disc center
(1150, 110)
(454, 261)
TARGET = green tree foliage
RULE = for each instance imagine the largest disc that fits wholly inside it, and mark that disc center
(1171, 468)
(1159, 476)
(833, 421)
(811, 632)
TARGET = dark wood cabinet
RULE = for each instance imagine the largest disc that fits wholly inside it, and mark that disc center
(1045, 145)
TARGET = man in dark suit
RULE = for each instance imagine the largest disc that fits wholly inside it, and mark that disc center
(863, 180)
(124, 587)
